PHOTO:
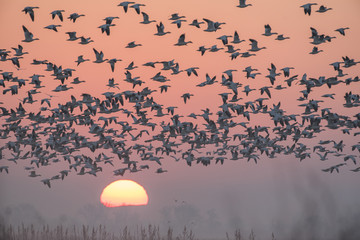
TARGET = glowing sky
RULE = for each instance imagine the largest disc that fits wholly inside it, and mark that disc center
(270, 196)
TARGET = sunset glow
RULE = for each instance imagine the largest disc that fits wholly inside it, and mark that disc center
(124, 193)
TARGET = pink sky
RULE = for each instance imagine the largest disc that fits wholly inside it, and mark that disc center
(264, 196)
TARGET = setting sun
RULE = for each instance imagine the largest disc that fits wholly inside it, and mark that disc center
(124, 193)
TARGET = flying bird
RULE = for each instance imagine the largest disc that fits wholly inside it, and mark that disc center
(29, 37)
(30, 11)
(57, 13)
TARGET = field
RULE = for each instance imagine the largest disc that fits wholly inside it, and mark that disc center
(100, 233)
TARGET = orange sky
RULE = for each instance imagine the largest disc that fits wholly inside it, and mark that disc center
(203, 188)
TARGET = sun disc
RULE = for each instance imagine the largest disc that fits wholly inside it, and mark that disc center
(124, 193)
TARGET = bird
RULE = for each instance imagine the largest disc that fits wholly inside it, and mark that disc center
(81, 60)
(160, 29)
(72, 36)
(281, 37)
(191, 70)
(196, 23)
(52, 27)
(175, 16)
(77, 81)
(323, 9)
(146, 18)
(286, 71)
(212, 26)
(160, 170)
(186, 96)
(74, 16)
(254, 46)
(181, 41)
(29, 37)
(57, 13)
(112, 84)
(214, 48)
(236, 38)
(84, 40)
(352, 157)
(19, 51)
(131, 66)
(15, 61)
(30, 11)
(178, 22)
(202, 49)
(224, 39)
(99, 56)
(332, 168)
(137, 6)
(46, 182)
(164, 88)
(33, 174)
(132, 45)
(125, 5)
(106, 28)
(242, 4)
(4, 168)
(315, 50)
(307, 8)
(268, 31)
(109, 20)
(112, 63)
(342, 30)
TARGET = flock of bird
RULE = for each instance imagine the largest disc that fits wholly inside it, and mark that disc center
(130, 128)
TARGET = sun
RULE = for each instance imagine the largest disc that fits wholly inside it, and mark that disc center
(124, 193)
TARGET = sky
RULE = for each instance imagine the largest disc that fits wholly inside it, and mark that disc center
(283, 195)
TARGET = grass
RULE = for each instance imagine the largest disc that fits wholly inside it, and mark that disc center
(89, 233)
(150, 232)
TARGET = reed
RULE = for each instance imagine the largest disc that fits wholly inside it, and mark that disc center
(150, 232)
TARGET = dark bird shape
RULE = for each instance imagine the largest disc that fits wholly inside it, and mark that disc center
(254, 46)
(99, 56)
(30, 11)
(84, 40)
(268, 31)
(196, 23)
(19, 51)
(236, 38)
(175, 16)
(57, 13)
(202, 49)
(52, 27)
(137, 6)
(125, 5)
(315, 50)
(29, 37)
(307, 8)
(81, 60)
(160, 29)
(109, 20)
(72, 36)
(181, 41)
(224, 39)
(178, 22)
(323, 9)
(242, 4)
(192, 70)
(186, 96)
(132, 45)
(342, 30)
(112, 63)
(74, 16)
(146, 18)
(106, 28)
(281, 37)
